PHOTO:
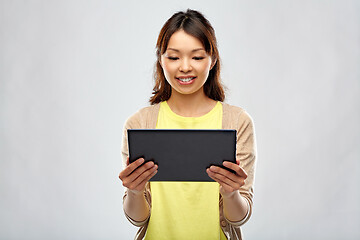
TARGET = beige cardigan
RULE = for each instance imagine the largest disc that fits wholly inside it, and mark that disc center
(233, 118)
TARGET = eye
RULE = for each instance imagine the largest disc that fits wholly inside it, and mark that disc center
(173, 58)
(198, 58)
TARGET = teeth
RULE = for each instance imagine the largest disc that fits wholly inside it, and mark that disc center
(186, 79)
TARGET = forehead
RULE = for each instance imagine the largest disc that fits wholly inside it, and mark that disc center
(183, 41)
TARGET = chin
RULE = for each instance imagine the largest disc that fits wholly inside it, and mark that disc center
(189, 92)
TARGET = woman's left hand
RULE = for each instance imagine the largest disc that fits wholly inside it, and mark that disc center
(229, 182)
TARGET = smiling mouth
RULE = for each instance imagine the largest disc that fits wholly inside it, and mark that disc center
(186, 81)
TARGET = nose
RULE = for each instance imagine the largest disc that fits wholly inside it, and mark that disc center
(185, 65)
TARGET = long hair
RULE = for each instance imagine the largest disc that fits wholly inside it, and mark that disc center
(196, 25)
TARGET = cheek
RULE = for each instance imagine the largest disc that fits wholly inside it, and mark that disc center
(204, 68)
(168, 68)
(169, 71)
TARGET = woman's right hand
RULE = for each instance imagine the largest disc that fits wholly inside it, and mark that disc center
(136, 180)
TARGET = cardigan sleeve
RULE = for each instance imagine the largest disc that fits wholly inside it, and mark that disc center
(246, 153)
(145, 118)
(134, 122)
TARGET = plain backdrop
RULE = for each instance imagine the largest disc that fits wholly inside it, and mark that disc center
(71, 72)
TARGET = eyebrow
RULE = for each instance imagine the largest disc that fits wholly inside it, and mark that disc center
(194, 50)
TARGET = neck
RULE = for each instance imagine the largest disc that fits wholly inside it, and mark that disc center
(190, 105)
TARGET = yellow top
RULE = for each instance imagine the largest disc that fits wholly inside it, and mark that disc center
(185, 210)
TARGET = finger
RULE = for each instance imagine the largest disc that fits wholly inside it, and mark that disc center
(225, 174)
(140, 170)
(127, 161)
(239, 170)
(140, 182)
(229, 178)
(226, 187)
(143, 183)
(128, 170)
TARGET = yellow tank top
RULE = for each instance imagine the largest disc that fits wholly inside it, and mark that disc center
(185, 210)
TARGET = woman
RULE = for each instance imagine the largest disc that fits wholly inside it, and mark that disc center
(188, 95)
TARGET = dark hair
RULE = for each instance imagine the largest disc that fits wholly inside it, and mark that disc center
(196, 25)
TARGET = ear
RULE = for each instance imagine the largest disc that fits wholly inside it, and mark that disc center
(213, 62)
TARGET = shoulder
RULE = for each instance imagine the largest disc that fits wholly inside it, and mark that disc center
(232, 109)
(234, 115)
(235, 111)
(143, 117)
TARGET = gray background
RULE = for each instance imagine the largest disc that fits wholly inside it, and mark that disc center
(71, 72)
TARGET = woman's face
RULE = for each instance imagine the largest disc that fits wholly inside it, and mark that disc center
(185, 63)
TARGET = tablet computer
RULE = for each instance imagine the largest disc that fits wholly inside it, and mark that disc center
(182, 155)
